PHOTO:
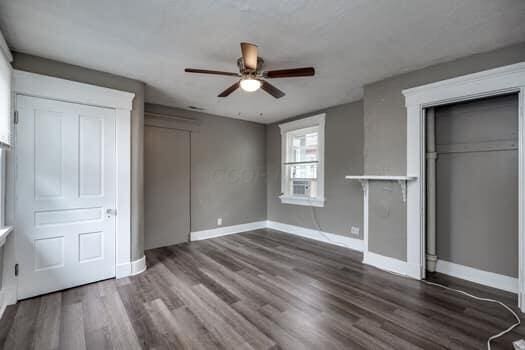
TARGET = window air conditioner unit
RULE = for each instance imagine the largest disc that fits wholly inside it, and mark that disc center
(301, 188)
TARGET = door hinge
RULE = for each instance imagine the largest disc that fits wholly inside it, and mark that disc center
(16, 269)
(16, 117)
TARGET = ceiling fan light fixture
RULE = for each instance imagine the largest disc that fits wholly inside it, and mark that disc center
(250, 85)
(251, 74)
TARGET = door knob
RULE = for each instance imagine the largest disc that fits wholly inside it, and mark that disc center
(110, 212)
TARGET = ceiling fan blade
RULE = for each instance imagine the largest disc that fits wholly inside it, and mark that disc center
(206, 71)
(290, 73)
(272, 90)
(229, 90)
(249, 55)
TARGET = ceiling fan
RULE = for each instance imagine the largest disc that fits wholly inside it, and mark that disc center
(251, 73)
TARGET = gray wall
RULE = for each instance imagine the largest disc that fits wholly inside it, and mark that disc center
(227, 169)
(385, 135)
(228, 165)
(388, 211)
(66, 71)
(343, 156)
(477, 191)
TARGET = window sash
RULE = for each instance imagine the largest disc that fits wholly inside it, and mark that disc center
(309, 154)
(304, 169)
(290, 148)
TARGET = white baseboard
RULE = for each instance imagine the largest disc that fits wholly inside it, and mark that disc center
(138, 266)
(132, 268)
(491, 279)
(343, 241)
(226, 230)
(387, 263)
(7, 297)
(414, 271)
(123, 270)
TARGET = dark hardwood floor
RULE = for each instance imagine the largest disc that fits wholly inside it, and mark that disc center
(260, 290)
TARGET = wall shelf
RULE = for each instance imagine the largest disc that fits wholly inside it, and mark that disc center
(400, 179)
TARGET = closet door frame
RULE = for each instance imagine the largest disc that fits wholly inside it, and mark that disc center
(492, 82)
(180, 123)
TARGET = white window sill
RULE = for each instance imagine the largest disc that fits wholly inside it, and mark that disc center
(4, 232)
(310, 202)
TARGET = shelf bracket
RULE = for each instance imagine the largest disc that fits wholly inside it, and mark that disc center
(364, 184)
(403, 185)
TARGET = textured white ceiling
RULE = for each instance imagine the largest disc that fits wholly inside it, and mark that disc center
(349, 42)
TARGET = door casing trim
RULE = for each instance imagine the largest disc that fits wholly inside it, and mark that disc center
(492, 82)
(42, 86)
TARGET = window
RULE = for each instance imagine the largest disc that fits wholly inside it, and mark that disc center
(6, 73)
(302, 156)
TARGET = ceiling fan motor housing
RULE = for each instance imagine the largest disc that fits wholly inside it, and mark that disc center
(248, 72)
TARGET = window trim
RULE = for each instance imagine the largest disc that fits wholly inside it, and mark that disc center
(317, 120)
(7, 58)
(5, 229)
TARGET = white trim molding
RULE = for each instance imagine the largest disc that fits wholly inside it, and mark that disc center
(9, 289)
(226, 230)
(491, 279)
(38, 85)
(138, 266)
(306, 201)
(43, 86)
(4, 232)
(303, 123)
(7, 297)
(5, 49)
(503, 80)
(326, 237)
(317, 121)
(132, 268)
(386, 263)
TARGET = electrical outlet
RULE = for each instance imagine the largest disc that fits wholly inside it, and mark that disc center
(219, 221)
(354, 230)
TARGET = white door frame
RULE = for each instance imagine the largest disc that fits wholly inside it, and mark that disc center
(43, 86)
(507, 79)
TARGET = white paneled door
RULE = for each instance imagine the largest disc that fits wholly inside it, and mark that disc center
(65, 195)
